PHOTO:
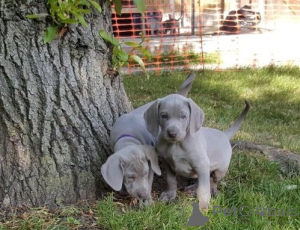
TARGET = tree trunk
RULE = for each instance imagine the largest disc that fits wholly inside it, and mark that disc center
(58, 102)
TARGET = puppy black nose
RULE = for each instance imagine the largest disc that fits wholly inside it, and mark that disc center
(172, 133)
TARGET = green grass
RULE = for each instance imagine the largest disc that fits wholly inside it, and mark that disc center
(252, 180)
(272, 92)
(180, 59)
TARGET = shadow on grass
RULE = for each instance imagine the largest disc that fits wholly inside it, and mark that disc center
(272, 92)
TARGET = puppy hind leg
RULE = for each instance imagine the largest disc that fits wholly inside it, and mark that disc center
(215, 176)
(213, 184)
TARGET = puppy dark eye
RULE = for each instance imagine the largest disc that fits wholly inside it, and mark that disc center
(164, 116)
(183, 117)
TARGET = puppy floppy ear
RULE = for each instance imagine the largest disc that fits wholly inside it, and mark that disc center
(112, 172)
(151, 118)
(151, 155)
(196, 117)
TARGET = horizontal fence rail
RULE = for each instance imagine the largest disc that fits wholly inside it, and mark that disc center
(214, 34)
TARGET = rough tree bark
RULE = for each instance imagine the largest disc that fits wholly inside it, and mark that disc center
(57, 105)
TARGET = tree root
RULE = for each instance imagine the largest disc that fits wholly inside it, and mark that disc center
(288, 161)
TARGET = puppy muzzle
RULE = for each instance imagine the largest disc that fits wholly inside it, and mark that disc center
(173, 135)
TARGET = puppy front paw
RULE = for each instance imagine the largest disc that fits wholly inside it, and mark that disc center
(145, 202)
(203, 205)
(168, 195)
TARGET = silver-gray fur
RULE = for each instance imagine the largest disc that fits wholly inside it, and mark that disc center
(187, 148)
(135, 160)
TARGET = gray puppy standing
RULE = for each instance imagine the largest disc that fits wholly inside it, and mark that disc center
(187, 148)
(135, 161)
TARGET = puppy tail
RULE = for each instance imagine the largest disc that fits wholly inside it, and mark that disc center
(186, 85)
(234, 128)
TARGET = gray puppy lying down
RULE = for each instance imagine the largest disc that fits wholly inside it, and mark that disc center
(135, 161)
(187, 148)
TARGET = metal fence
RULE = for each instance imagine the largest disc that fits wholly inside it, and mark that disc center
(215, 34)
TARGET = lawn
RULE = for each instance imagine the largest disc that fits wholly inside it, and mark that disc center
(255, 192)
